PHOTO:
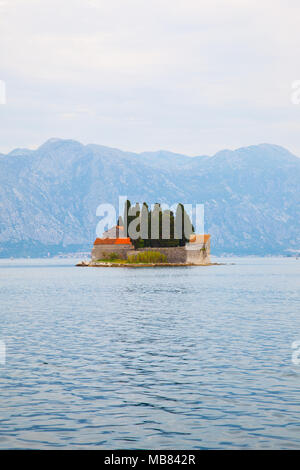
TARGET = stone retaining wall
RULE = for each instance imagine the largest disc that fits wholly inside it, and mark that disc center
(178, 254)
(197, 256)
(174, 254)
(181, 254)
(102, 251)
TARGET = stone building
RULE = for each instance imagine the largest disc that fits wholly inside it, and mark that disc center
(103, 247)
(197, 251)
(114, 232)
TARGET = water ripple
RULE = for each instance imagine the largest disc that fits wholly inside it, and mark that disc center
(193, 358)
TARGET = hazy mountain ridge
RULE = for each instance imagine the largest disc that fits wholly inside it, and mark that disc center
(49, 196)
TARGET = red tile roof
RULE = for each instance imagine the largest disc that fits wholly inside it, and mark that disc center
(112, 241)
(199, 238)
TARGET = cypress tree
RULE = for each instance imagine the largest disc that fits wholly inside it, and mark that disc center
(145, 224)
(183, 225)
(155, 225)
(166, 226)
(134, 224)
(125, 218)
(187, 226)
(179, 223)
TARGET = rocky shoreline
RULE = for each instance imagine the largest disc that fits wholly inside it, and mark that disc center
(139, 265)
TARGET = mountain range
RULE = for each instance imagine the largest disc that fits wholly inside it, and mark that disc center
(49, 196)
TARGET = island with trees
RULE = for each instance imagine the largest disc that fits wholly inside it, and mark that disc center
(146, 236)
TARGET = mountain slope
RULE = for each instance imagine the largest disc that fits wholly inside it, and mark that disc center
(48, 197)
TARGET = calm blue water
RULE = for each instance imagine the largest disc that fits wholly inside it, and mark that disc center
(150, 358)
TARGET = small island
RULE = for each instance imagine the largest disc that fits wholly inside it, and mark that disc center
(151, 245)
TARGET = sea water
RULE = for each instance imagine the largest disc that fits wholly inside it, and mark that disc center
(150, 358)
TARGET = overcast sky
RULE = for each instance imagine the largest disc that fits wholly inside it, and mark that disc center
(189, 76)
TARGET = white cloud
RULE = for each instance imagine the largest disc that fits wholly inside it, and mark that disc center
(193, 76)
